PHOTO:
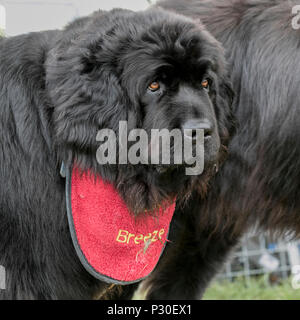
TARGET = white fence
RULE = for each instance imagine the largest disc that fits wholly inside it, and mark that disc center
(259, 255)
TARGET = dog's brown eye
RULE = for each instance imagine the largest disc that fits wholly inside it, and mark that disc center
(205, 84)
(154, 86)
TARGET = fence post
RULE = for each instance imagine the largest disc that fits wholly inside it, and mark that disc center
(2, 278)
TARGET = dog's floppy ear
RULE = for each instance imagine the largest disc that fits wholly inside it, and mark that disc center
(86, 96)
(92, 64)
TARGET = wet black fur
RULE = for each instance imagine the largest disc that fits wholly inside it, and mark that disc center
(57, 89)
(259, 184)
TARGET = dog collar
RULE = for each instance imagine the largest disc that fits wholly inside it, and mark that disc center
(112, 244)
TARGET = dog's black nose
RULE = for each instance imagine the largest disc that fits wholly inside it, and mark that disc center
(202, 124)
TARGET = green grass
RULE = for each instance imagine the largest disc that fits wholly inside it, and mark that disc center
(240, 289)
(254, 289)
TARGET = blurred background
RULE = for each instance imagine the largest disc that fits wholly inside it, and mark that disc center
(21, 16)
(262, 267)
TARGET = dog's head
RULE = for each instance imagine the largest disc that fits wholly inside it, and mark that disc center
(152, 69)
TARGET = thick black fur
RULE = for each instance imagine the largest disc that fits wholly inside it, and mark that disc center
(57, 89)
(259, 184)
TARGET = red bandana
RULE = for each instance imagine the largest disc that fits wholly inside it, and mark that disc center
(111, 243)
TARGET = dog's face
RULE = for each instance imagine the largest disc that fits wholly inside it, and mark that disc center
(174, 86)
(155, 71)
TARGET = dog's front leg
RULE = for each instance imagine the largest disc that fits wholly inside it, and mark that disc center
(191, 259)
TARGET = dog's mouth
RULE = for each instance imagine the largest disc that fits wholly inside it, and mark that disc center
(192, 152)
(164, 169)
(154, 172)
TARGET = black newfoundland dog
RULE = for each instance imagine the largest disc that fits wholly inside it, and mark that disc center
(57, 89)
(259, 184)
